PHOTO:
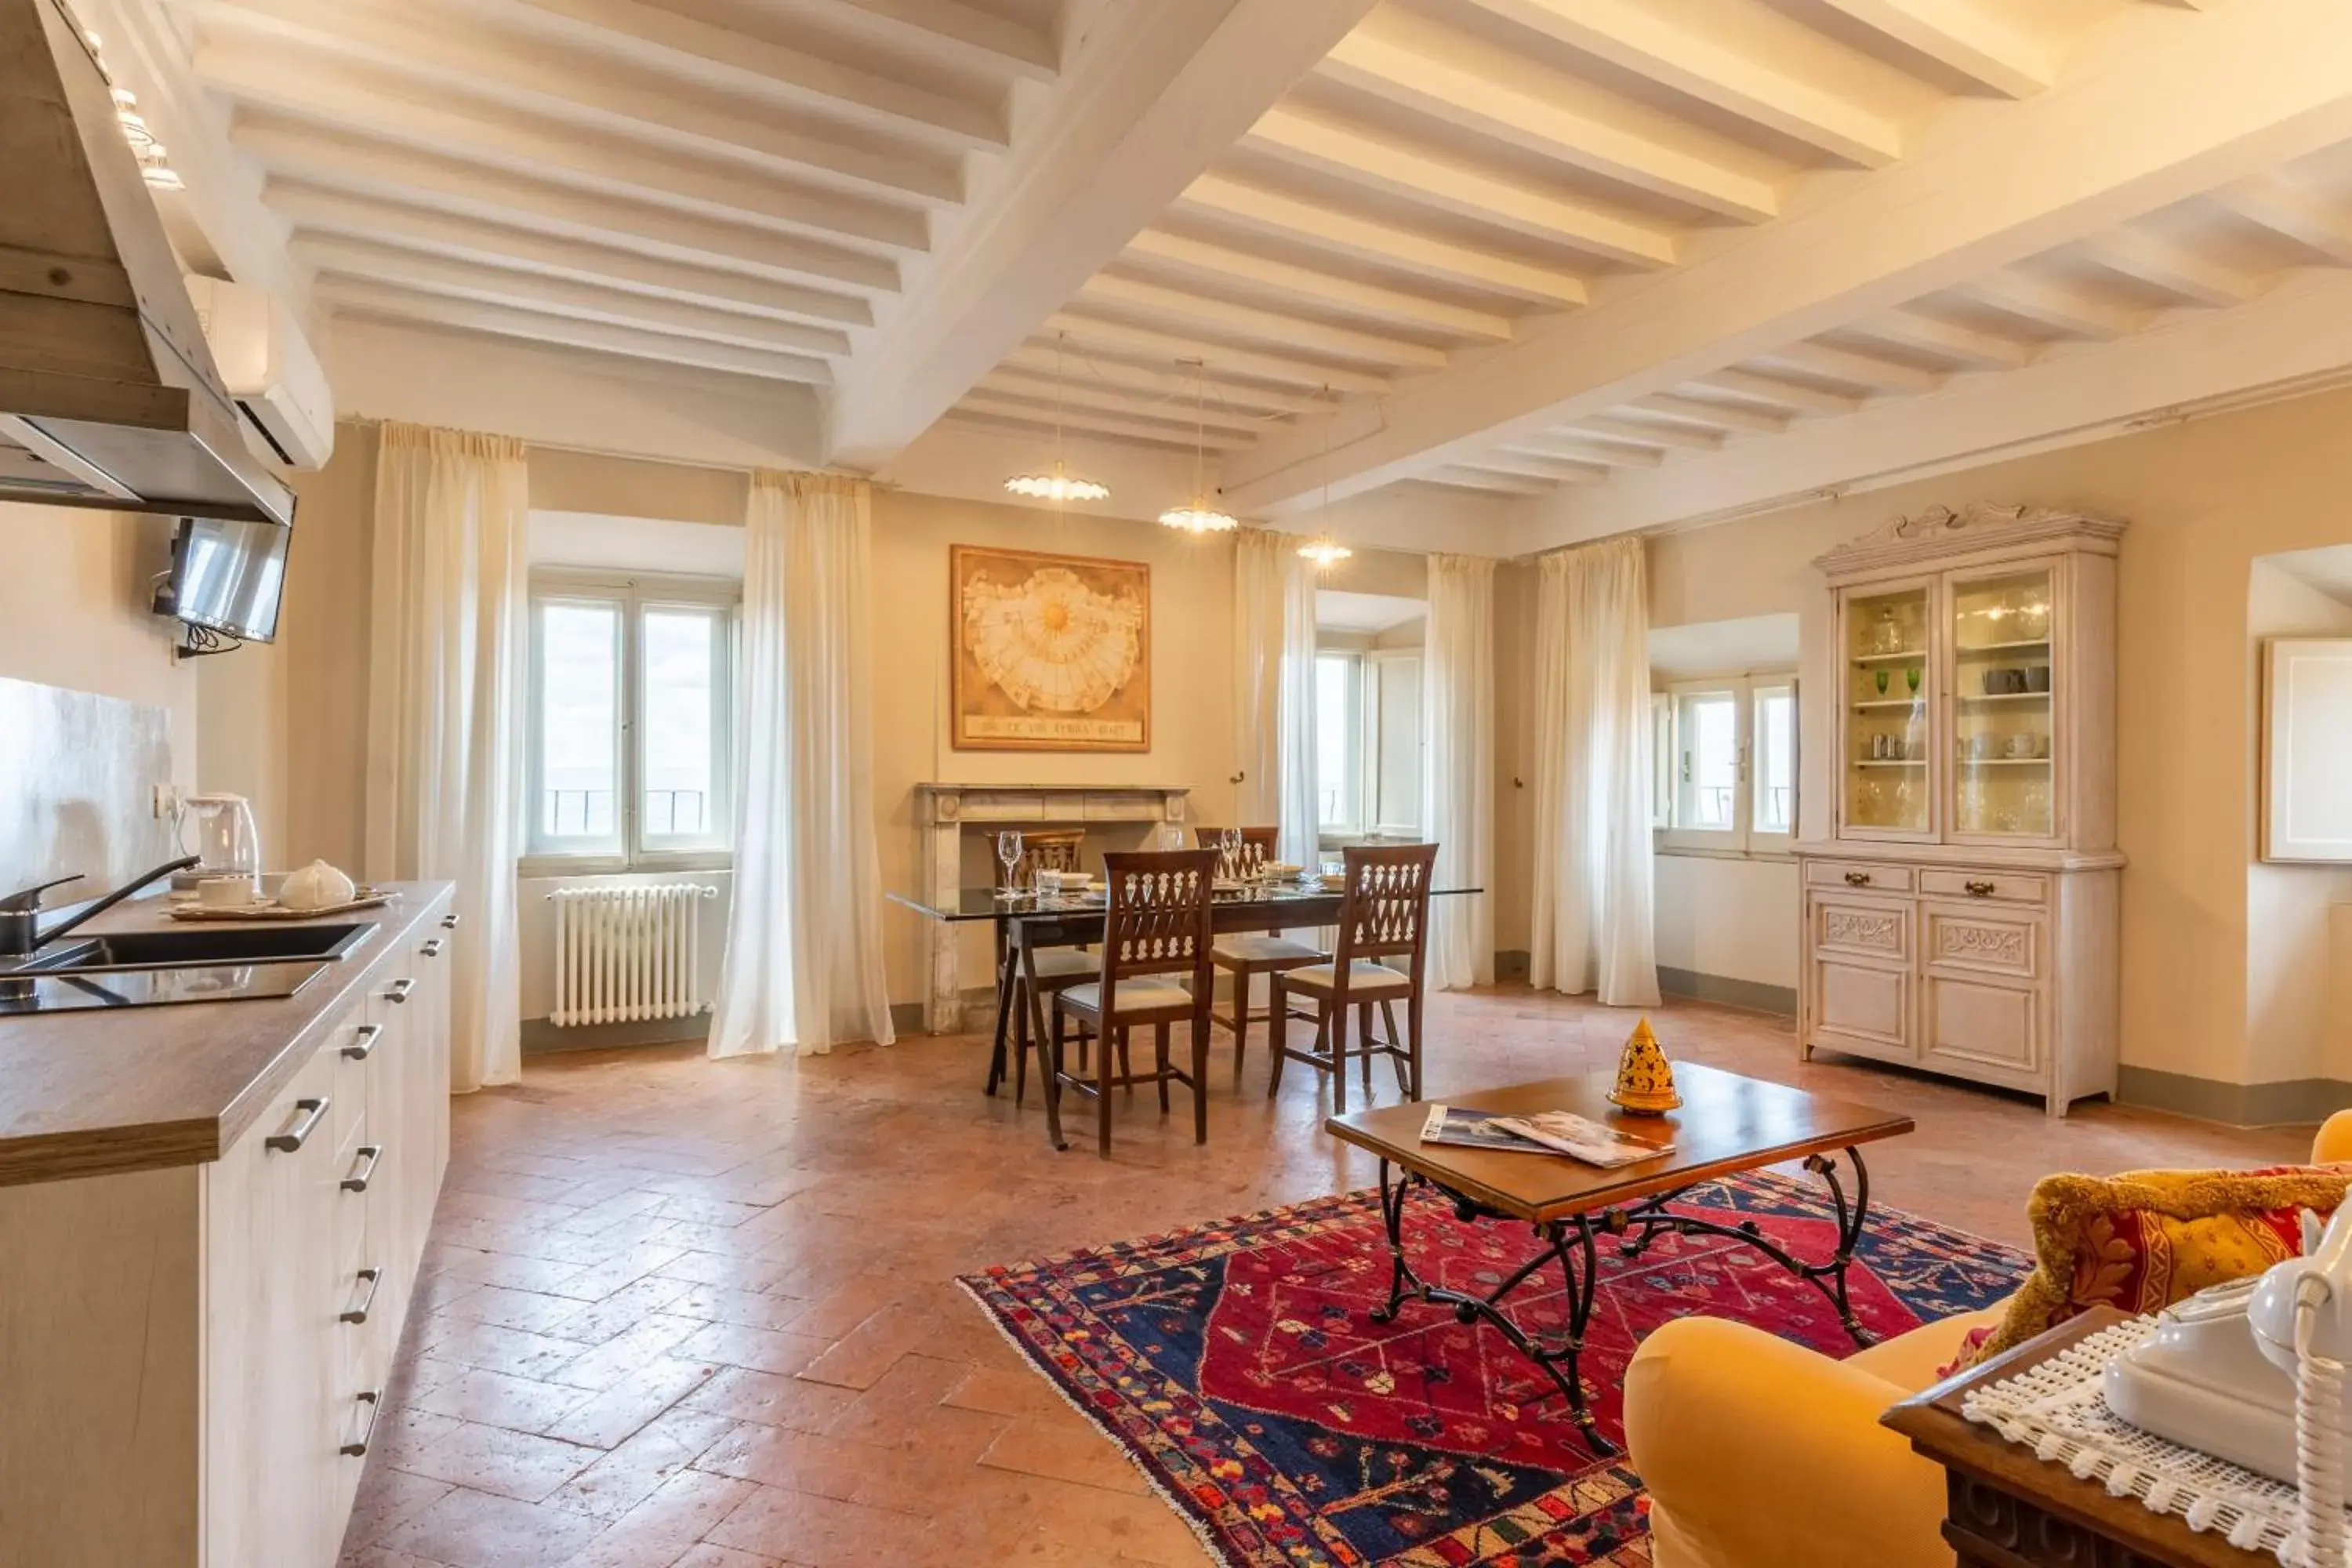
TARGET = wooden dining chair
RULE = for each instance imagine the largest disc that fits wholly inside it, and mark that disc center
(1383, 913)
(1245, 955)
(1155, 923)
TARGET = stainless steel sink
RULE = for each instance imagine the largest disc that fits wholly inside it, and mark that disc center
(195, 947)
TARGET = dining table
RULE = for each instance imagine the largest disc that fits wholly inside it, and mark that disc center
(1029, 922)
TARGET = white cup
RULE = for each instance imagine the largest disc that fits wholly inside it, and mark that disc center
(225, 892)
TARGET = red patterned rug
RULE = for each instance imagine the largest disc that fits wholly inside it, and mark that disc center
(1238, 1366)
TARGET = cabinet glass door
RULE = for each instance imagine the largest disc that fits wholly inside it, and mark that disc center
(2002, 730)
(1887, 729)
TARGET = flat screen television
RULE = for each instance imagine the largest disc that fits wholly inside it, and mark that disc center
(228, 576)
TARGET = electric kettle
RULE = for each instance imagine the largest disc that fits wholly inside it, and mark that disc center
(218, 830)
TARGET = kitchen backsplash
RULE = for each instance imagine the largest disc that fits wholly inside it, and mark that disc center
(78, 777)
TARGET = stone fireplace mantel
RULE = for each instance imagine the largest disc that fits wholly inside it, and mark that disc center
(945, 812)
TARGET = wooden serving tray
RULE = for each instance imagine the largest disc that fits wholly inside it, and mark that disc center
(368, 899)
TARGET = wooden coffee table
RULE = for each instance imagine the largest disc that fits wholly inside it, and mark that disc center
(1727, 1125)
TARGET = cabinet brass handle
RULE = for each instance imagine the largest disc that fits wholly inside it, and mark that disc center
(431, 949)
(313, 1112)
(357, 1312)
(373, 1400)
(363, 1039)
(1857, 878)
(363, 1167)
(398, 991)
(1979, 890)
(449, 921)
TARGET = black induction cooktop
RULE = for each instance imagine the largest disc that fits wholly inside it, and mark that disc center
(40, 993)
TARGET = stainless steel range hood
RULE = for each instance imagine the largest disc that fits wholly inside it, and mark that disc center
(108, 397)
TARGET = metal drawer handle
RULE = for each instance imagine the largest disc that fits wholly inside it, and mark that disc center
(373, 1400)
(399, 990)
(449, 921)
(313, 1112)
(1857, 878)
(363, 1168)
(431, 949)
(357, 1312)
(363, 1039)
(1979, 890)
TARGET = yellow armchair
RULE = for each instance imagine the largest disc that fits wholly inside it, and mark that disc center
(1758, 1453)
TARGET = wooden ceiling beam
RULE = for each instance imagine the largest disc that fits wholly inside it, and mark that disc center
(1332, 291)
(1402, 70)
(1381, 244)
(355, 165)
(1853, 368)
(2064, 306)
(2270, 203)
(1101, 424)
(1777, 392)
(2173, 268)
(332, 95)
(681, 45)
(1639, 37)
(1968, 345)
(316, 210)
(1261, 326)
(385, 302)
(1078, 368)
(1168, 349)
(1713, 414)
(1462, 476)
(1088, 393)
(1623, 426)
(1402, 170)
(1532, 466)
(960, 34)
(1563, 447)
(1961, 38)
(423, 274)
(442, 51)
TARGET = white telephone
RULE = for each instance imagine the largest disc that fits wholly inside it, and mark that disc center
(2252, 1371)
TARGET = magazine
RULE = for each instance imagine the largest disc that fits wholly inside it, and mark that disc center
(1545, 1132)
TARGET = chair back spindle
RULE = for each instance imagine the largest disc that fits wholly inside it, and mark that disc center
(1156, 918)
(1054, 849)
(1384, 908)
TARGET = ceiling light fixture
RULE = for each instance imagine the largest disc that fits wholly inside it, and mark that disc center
(1200, 517)
(1058, 486)
(1323, 550)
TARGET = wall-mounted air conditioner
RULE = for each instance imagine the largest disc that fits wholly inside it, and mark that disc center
(272, 375)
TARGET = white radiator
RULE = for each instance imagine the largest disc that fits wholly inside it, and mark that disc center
(625, 952)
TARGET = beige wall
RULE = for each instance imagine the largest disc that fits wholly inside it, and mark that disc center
(2204, 499)
(73, 600)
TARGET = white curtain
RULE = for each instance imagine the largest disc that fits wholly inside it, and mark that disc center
(1593, 888)
(803, 962)
(1458, 788)
(447, 660)
(1273, 623)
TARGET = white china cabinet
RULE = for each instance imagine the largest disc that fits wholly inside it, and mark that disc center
(1959, 890)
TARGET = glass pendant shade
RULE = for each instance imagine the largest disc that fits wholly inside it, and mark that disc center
(1325, 551)
(1058, 486)
(1198, 517)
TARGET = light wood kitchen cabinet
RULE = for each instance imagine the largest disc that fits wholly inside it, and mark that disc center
(1959, 910)
(216, 1337)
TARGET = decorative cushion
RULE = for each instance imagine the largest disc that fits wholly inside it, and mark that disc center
(1060, 963)
(1366, 980)
(2144, 1240)
(1141, 996)
(1263, 950)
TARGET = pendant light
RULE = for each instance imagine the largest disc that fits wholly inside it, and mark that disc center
(1323, 550)
(1058, 486)
(1200, 517)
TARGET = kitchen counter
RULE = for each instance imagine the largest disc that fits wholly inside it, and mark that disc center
(98, 1092)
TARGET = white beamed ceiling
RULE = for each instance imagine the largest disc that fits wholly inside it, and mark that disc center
(743, 186)
(1536, 247)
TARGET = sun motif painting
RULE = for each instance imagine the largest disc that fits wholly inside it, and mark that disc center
(1053, 653)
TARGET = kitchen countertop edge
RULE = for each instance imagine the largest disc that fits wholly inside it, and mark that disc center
(100, 1148)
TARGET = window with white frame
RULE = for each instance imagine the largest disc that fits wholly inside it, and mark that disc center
(632, 705)
(1726, 752)
(1368, 736)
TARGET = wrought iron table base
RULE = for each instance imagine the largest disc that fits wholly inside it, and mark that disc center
(1571, 1243)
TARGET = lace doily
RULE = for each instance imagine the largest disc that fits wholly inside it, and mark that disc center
(2059, 1410)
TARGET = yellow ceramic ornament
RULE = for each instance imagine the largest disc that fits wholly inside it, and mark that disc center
(1645, 1079)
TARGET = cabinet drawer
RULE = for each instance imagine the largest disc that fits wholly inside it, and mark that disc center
(1858, 874)
(2009, 886)
(1876, 929)
(1982, 939)
(1982, 1028)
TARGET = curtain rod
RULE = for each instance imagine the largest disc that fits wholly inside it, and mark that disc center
(375, 421)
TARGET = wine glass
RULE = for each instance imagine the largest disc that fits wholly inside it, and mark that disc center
(1008, 851)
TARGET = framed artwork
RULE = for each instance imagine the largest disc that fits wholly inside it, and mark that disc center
(1052, 653)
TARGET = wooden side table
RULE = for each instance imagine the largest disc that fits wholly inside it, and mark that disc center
(2007, 1510)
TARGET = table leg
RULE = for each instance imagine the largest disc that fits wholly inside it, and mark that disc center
(1005, 956)
(1568, 1243)
(1652, 1218)
(1048, 1044)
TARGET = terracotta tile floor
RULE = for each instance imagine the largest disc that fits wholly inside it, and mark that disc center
(681, 1314)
